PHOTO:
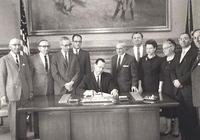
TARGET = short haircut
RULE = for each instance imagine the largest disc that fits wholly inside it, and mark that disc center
(171, 41)
(186, 34)
(121, 43)
(152, 42)
(64, 38)
(137, 33)
(100, 59)
(193, 32)
(42, 40)
(75, 36)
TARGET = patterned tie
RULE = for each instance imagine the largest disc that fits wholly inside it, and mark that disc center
(17, 61)
(46, 63)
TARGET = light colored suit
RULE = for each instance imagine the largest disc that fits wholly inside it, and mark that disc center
(63, 73)
(42, 80)
(16, 85)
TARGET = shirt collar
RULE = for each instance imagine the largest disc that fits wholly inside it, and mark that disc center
(186, 49)
(74, 50)
(63, 53)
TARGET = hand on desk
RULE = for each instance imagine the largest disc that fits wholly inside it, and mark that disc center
(69, 85)
(177, 83)
(134, 89)
(3, 101)
(114, 92)
(89, 93)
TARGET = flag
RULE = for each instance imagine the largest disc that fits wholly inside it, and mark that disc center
(24, 29)
(189, 19)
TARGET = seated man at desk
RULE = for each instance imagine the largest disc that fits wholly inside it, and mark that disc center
(98, 80)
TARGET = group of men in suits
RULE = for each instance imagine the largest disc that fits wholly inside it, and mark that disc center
(69, 71)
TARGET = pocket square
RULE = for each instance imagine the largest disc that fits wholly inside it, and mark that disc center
(125, 66)
(198, 64)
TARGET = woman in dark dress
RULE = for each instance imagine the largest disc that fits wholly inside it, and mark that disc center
(167, 66)
(149, 69)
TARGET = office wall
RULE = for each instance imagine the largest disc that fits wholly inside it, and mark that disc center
(9, 26)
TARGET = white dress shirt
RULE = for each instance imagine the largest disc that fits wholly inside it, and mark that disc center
(121, 58)
(183, 53)
(43, 59)
(140, 51)
(14, 57)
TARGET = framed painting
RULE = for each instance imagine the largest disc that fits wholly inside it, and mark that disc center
(46, 17)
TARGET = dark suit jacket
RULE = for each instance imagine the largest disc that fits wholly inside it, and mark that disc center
(196, 83)
(89, 83)
(42, 80)
(183, 74)
(130, 51)
(15, 83)
(84, 63)
(126, 76)
(63, 72)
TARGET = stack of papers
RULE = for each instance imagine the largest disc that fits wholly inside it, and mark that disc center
(67, 99)
(136, 96)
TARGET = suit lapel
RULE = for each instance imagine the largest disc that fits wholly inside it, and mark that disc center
(62, 58)
(123, 61)
(195, 63)
(96, 84)
(11, 59)
(40, 63)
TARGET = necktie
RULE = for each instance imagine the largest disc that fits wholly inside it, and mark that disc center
(17, 61)
(98, 82)
(138, 54)
(46, 63)
(67, 57)
(76, 51)
(119, 62)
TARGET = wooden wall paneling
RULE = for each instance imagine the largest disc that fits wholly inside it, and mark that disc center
(54, 125)
(146, 120)
(107, 124)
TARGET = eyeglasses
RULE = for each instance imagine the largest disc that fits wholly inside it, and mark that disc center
(45, 46)
(77, 41)
(15, 44)
(167, 48)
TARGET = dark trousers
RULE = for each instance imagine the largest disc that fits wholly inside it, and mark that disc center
(17, 122)
(188, 122)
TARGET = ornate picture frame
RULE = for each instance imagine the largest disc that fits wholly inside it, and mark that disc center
(51, 17)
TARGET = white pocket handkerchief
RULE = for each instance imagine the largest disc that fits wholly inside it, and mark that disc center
(125, 66)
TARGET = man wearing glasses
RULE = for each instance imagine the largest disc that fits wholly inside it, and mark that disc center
(82, 55)
(41, 75)
(65, 68)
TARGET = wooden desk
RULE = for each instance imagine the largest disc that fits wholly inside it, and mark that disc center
(127, 121)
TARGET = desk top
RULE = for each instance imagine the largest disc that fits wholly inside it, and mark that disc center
(48, 103)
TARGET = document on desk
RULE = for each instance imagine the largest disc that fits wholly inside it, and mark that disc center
(136, 96)
(64, 99)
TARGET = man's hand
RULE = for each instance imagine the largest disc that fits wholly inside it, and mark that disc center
(177, 84)
(114, 92)
(31, 95)
(89, 93)
(3, 101)
(134, 89)
(69, 85)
